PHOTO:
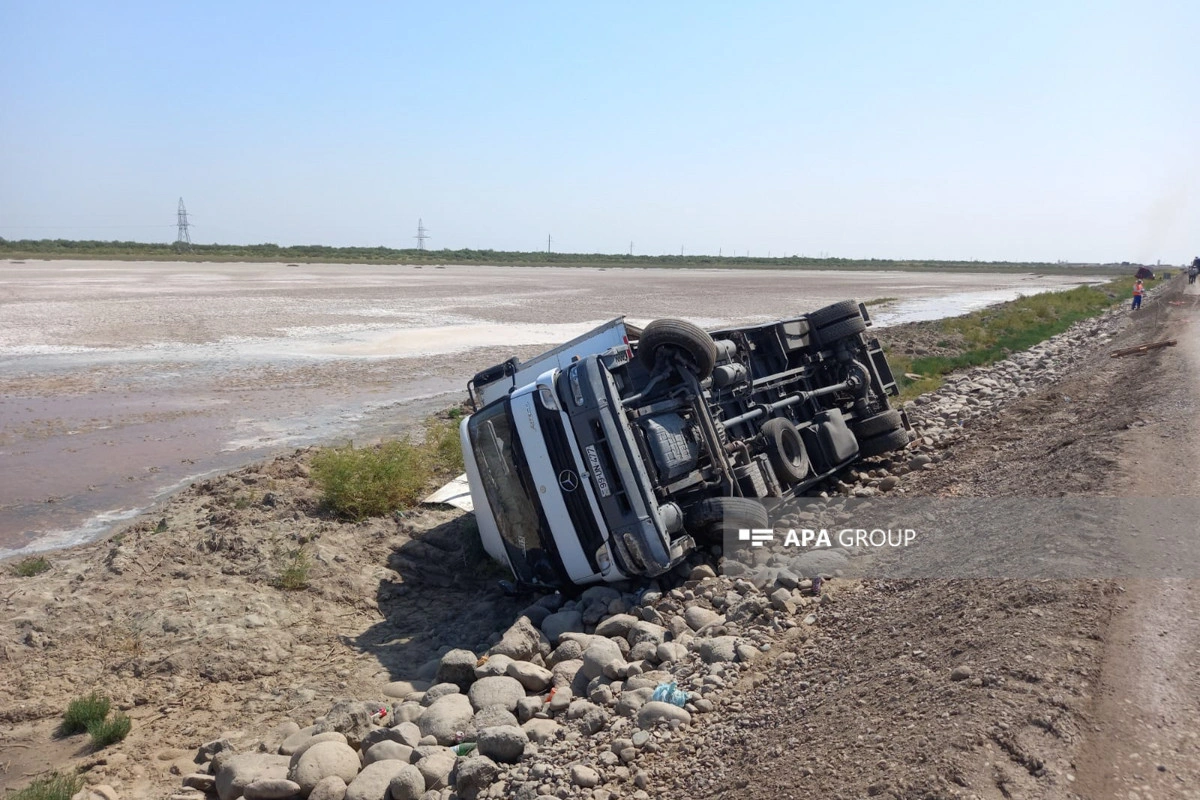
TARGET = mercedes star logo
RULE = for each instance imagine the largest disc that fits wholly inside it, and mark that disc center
(568, 480)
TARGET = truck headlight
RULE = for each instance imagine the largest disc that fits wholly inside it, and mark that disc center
(547, 397)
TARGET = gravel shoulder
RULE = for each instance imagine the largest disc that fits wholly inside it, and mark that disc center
(934, 688)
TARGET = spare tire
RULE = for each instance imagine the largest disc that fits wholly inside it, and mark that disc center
(711, 518)
(680, 336)
(883, 443)
(839, 330)
(785, 450)
(876, 424)
(834, 313)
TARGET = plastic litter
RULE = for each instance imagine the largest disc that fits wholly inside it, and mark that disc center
(463, 749)
(670, 693)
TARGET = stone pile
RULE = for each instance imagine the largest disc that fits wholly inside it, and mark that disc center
(561, 705)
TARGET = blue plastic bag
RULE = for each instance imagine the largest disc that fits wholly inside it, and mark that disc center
(670, 693)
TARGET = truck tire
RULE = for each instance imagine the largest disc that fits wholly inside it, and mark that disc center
(710, 519)
(695, 344)
(834, 313)
(829, 334)
(785, 450)
(883, 443)
(877, 424)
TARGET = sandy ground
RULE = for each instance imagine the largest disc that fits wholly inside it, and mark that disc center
(123, 381)
(1078, 689)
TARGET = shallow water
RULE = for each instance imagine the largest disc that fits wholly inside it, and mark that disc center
(122, 382)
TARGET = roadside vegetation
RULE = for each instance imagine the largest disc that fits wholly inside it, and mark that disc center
(320, 254)
(28, 567)
(83, 712)
(372, 481)
(992, 334)
(55, 786)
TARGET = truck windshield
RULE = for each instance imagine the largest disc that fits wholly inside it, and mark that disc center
(506, 481)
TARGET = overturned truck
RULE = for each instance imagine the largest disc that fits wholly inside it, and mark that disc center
(612, 456)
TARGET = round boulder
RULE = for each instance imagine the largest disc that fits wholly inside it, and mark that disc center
(322, 760)
(407, 784)
(447, 717)
(498, 690)
(503, 743)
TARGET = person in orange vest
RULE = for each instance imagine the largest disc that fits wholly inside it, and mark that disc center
(1138, 291)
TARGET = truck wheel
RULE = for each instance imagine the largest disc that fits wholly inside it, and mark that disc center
(696, 345)
(834, 313)
(876, 424)
(711, 518)
(785, 450)
(883, 443)
(839, 330)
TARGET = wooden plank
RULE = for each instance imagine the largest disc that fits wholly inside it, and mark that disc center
(1142, 348)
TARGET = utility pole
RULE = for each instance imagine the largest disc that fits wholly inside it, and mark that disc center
(422, 234)
(548, 241)
(183, 239)
(631, 248)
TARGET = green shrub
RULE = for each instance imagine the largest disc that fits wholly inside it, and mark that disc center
(104, 732)
(29, 567)
(373, 481)
(82, 712)
(55, 786)
(294, 574)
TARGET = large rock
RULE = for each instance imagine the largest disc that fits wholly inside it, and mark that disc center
(493, 665)
(351, 718)
(489, 717)
(601, 654)
(272, 789)
(600, 594)
(316, 738)
(632, 700)
(819, 562)
(438, 690)
(698, 617)
(322, 760)
(242, 769)
(408, 733)
(531, 676)
(646, 632)
(331, 788)
(474, 775)
(499, 690)
(616, 626)
(564, 672)
(555, 625)
(502, 743)
(373, 782)
(656, 711)
(448, 716)
(670, 652)
(407, 784)
(588, 717)
(542, 731)
(719, 649)
(388, 750)
(457, 667)
(522, 641)
(436, 767)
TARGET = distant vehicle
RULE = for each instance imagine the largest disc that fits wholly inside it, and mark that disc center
(611, 456)
(1144, 273)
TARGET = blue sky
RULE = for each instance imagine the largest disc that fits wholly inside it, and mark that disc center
(1007, 130)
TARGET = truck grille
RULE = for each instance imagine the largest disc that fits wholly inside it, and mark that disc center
(579, 509)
